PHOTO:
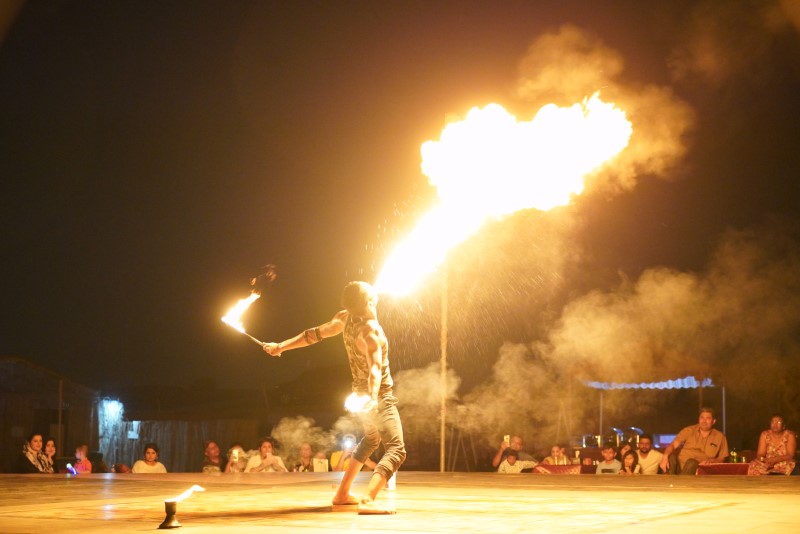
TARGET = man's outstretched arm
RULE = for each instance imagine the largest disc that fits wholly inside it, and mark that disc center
(310, 336)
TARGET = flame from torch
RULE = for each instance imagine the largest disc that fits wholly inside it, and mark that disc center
(171, 508)
(233, 317)
(186, 494)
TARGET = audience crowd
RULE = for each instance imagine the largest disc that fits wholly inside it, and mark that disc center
(694, 446)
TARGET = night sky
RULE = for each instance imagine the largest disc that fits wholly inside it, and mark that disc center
(153, 155)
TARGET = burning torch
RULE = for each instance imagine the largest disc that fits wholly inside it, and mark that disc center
(171, 508)
(265, 275)
(233, 317)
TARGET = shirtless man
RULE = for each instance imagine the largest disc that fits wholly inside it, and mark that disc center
(368, 353)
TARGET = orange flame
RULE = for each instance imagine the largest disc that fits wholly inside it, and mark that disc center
(489, 165)
(233, 317)
(186, 494)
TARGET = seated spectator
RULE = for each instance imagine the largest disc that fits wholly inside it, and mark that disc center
(265, 461)
(512, 464)
(557, 457)
(630, 464)
(50, 452)
(305, 464)
(98, 464)
(776, 450)
(33, 459)
(649, 458)
(237, 459)
(624, 447)
(699, 444)
(82, 463)
(213, 462)
(610, 465)
(150, 464)
(341, 459)
(516, 444)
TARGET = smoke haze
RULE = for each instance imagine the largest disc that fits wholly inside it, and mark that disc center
(291, 432)
(568, 65)
(526, 286)
(737, 322)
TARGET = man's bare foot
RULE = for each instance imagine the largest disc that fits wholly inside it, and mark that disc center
(367, 506)
(339, 500)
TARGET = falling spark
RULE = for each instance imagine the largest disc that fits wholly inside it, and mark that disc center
(489, 165)
(186, 494)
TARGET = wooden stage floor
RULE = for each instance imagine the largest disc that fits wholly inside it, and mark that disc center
(425, 502)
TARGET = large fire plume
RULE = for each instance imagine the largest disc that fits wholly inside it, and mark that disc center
(490, 165)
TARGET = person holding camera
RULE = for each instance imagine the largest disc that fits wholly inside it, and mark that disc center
(237, 459)
(341, 459)
(510, 443)
(265, 461)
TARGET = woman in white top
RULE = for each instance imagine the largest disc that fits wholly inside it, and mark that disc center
(265, 461)
(150, 464)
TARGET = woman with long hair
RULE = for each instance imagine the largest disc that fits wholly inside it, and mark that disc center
(33, 459)
(630, 464)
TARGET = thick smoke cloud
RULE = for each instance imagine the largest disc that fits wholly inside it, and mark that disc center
(568, 65)
(291, 432)
(523, 396)
(737, 321)
(420, 395)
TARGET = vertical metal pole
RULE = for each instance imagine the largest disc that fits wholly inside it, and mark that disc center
(724, 418)
(600, 444)
(443, 380)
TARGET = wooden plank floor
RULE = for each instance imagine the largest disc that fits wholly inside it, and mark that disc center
(425, 502)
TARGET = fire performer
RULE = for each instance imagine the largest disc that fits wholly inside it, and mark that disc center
(368, 352)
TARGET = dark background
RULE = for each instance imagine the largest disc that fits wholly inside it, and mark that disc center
(153, 155)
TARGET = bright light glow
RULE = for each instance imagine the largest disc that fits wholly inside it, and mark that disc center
(233, 317)
(186, 493)
(111, 411)
(356, 403)
(490, 165)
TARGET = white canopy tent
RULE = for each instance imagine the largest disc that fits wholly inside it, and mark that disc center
(688, 382)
